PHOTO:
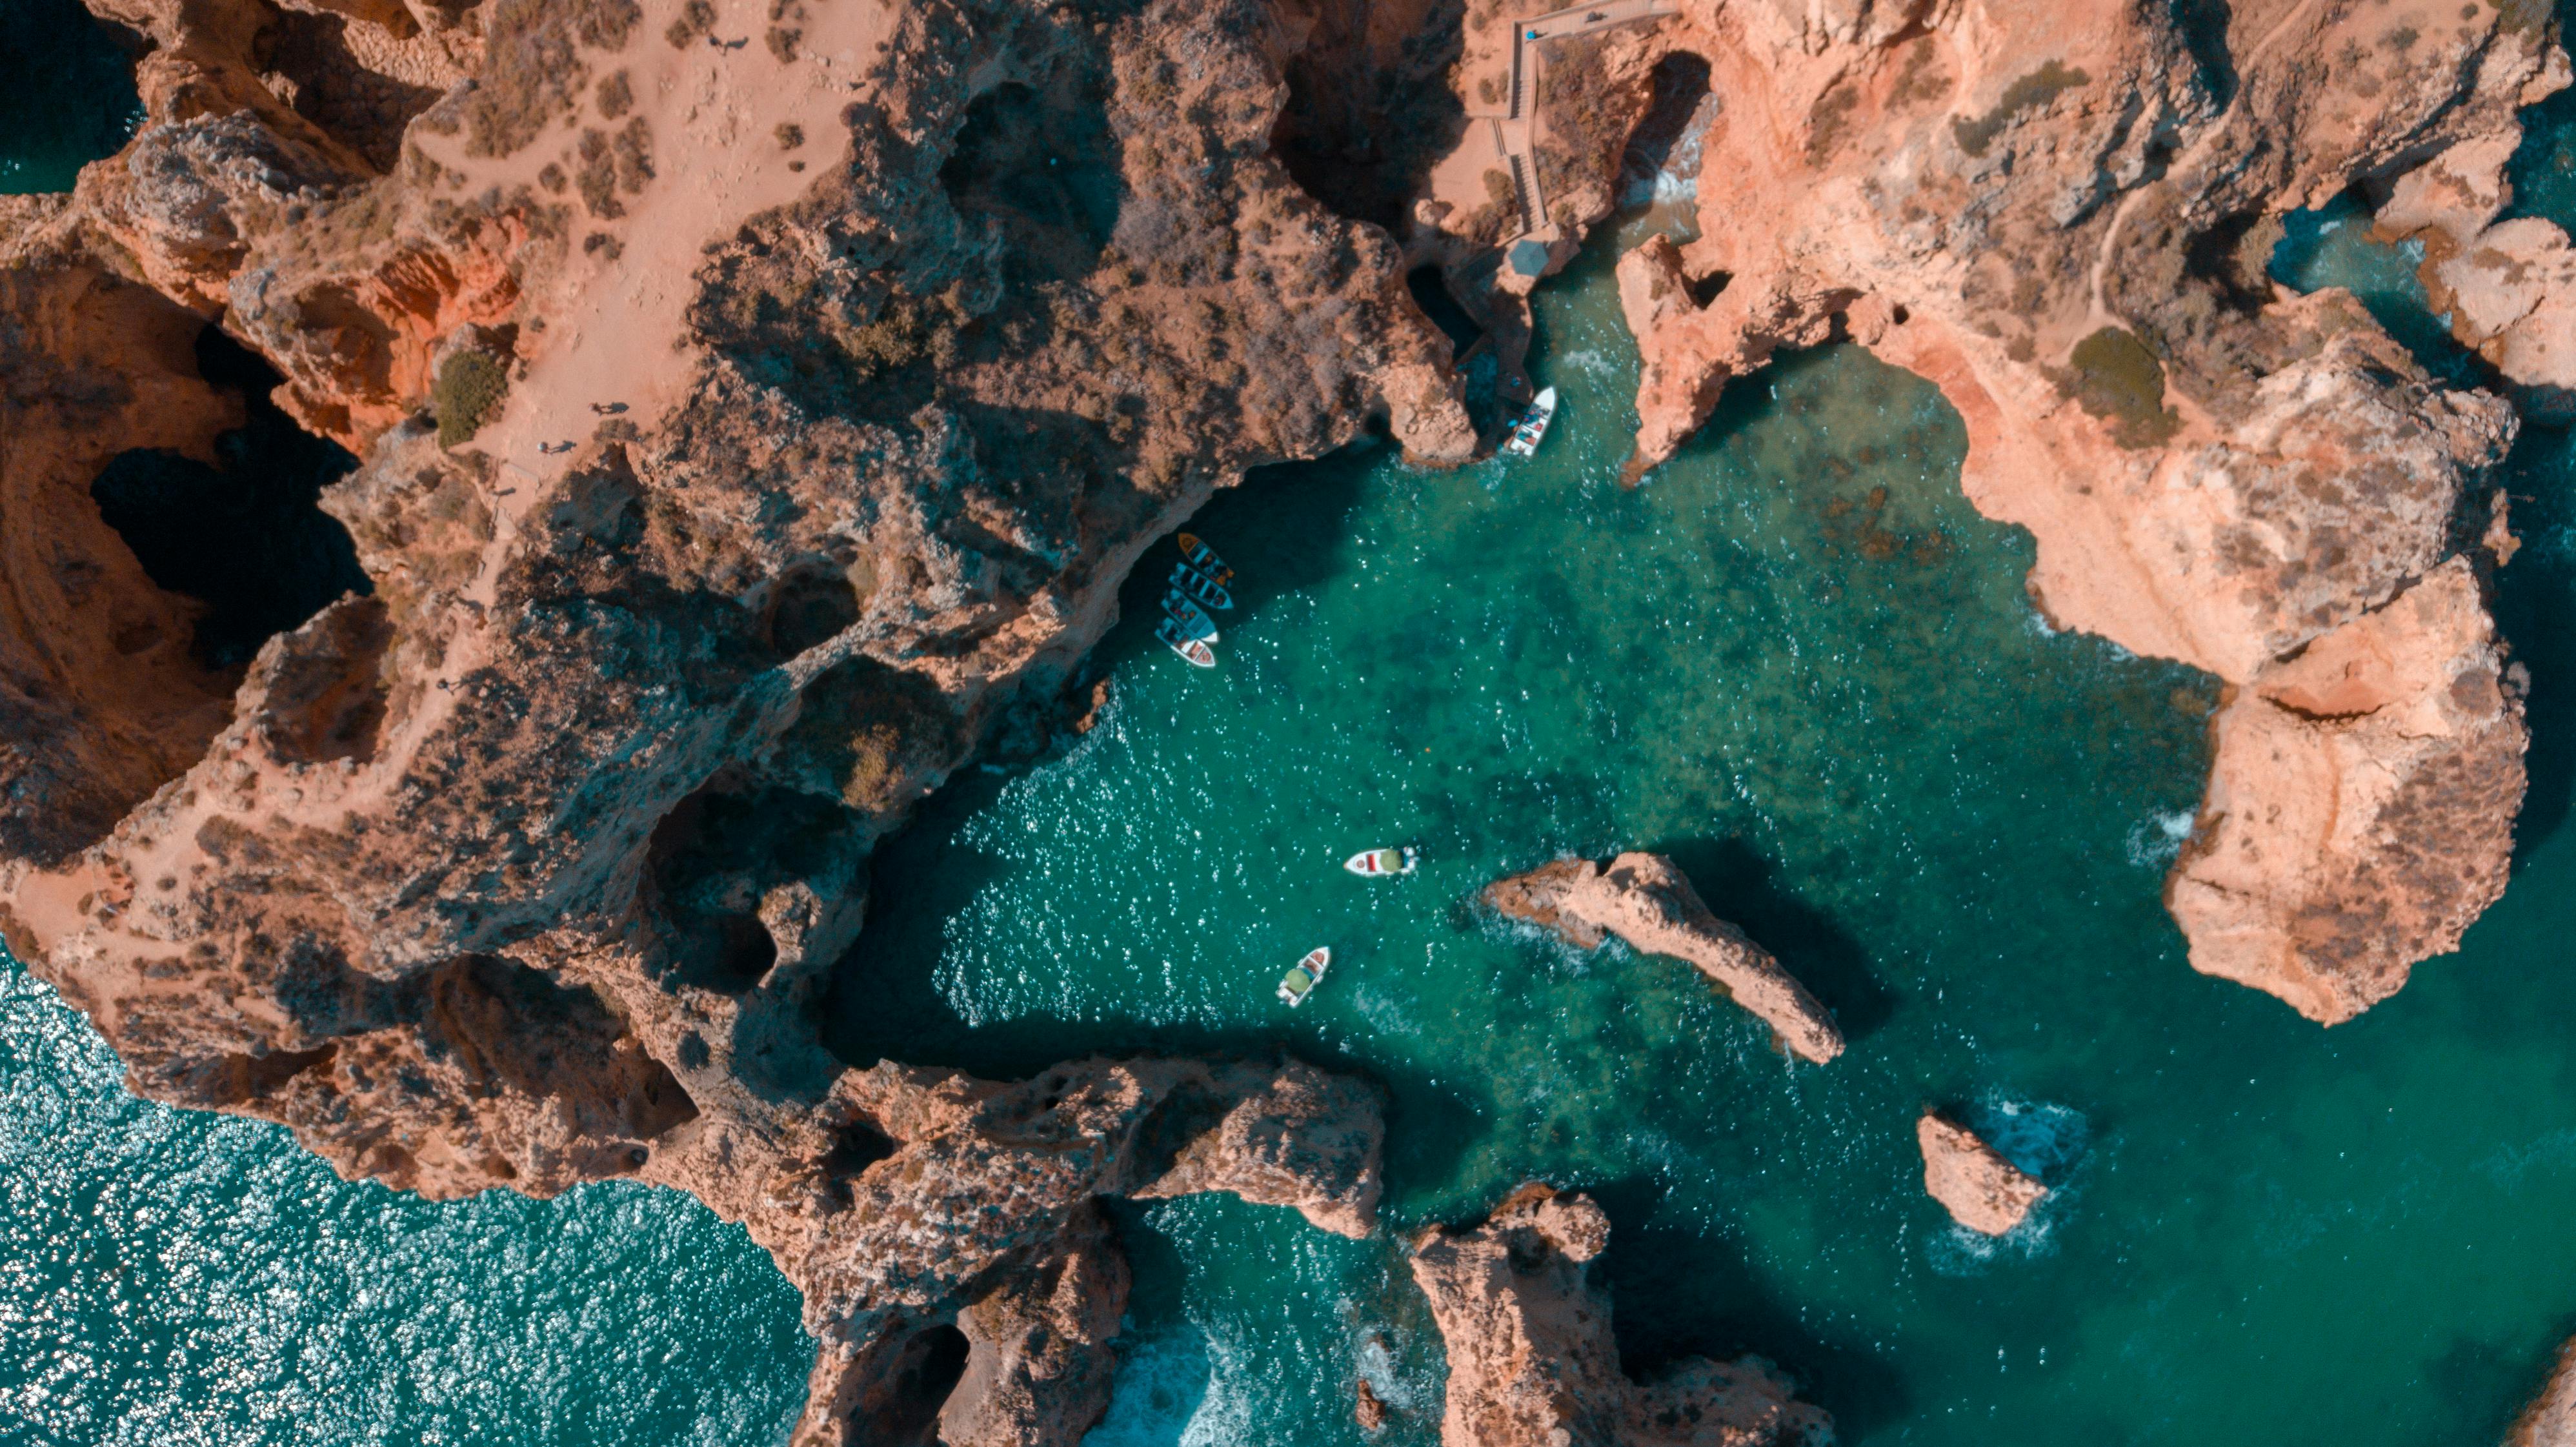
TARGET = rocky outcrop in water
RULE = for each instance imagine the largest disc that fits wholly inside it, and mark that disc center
(2064, 223)
(1646, 901)
(1531, 1360)
(1973, 1182)
(2507, 286)
(754, 408)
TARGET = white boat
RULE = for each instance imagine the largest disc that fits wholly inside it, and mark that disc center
(1196, 650)
(1199, 585)
(1380, 861)
(1178, 607)
(1531, 429)
(1304, 975)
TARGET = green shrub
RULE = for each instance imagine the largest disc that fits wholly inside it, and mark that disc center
(2118, 379)
(2029, 93)
(468, 392)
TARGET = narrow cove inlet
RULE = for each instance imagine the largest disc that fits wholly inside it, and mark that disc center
(714, 862)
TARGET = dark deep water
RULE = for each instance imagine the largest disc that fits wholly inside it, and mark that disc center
(69, 97)
(1797, 661)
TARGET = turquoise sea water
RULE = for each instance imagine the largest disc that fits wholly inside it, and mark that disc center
(69, 94)
(1795, 660)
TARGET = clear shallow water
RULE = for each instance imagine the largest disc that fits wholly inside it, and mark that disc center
(170, 1279)
(69, 97)
(1841, 717)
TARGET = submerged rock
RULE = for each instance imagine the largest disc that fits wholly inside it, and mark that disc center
(1645, 900)
(1973, 1182)
(1532, 1362)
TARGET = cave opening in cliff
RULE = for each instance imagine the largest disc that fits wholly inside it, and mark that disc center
(1367, 118)
(855, 1147)
(1663, 150)
(716, 856)
(1431, 293)
(246, 534)
(924, 1377)
(1037, 165)
(810, 608)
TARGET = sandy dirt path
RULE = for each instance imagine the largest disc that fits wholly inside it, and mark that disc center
(616, 331)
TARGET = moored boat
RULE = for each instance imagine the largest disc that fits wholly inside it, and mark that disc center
(1531, 429)
(1202, 557)
(1303, 976)
(1194, 620)
(1381, 861)
(1202, 587)
(1196, 650)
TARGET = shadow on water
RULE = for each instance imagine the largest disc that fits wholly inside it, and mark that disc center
(885, 1003)
(1676, 1293)
(1743, 888)
(2494, 1379)
(70, 99)
(2531, 608)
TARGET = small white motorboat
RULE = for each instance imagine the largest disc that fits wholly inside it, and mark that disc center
(1381, 861)
(1196, 650)
(1531, 429)
(1200, 586)
(1202, 557)
(1304, 975)
(1193, 620)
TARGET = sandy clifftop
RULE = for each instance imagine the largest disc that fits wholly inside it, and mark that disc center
(751, 409)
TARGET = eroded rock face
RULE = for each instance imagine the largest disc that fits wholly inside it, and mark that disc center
(2062, 218)
(1646, 901)
(2550, 1419)
(2361, 806)
(748, 434)
(1531, 1360)
(1973, 1182)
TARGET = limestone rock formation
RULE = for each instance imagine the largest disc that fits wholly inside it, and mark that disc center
(1531, 1360)
(2062, 218)
(743, 436)
(2507, 286)
(2361, 804)
(2550, 1419)
(1646, 901)
(1976, 1185)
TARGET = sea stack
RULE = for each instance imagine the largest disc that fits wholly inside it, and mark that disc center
(1645, 900)
(1531, 1358)
(1981, 1190)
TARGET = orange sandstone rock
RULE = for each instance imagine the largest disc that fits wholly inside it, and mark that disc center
(1645, 900)
(1532, 1362)
(1979, 1188)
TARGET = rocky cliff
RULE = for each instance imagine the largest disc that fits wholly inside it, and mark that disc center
(747, 411)
(726, 418)
(2061, 216)
(1531, 1360)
